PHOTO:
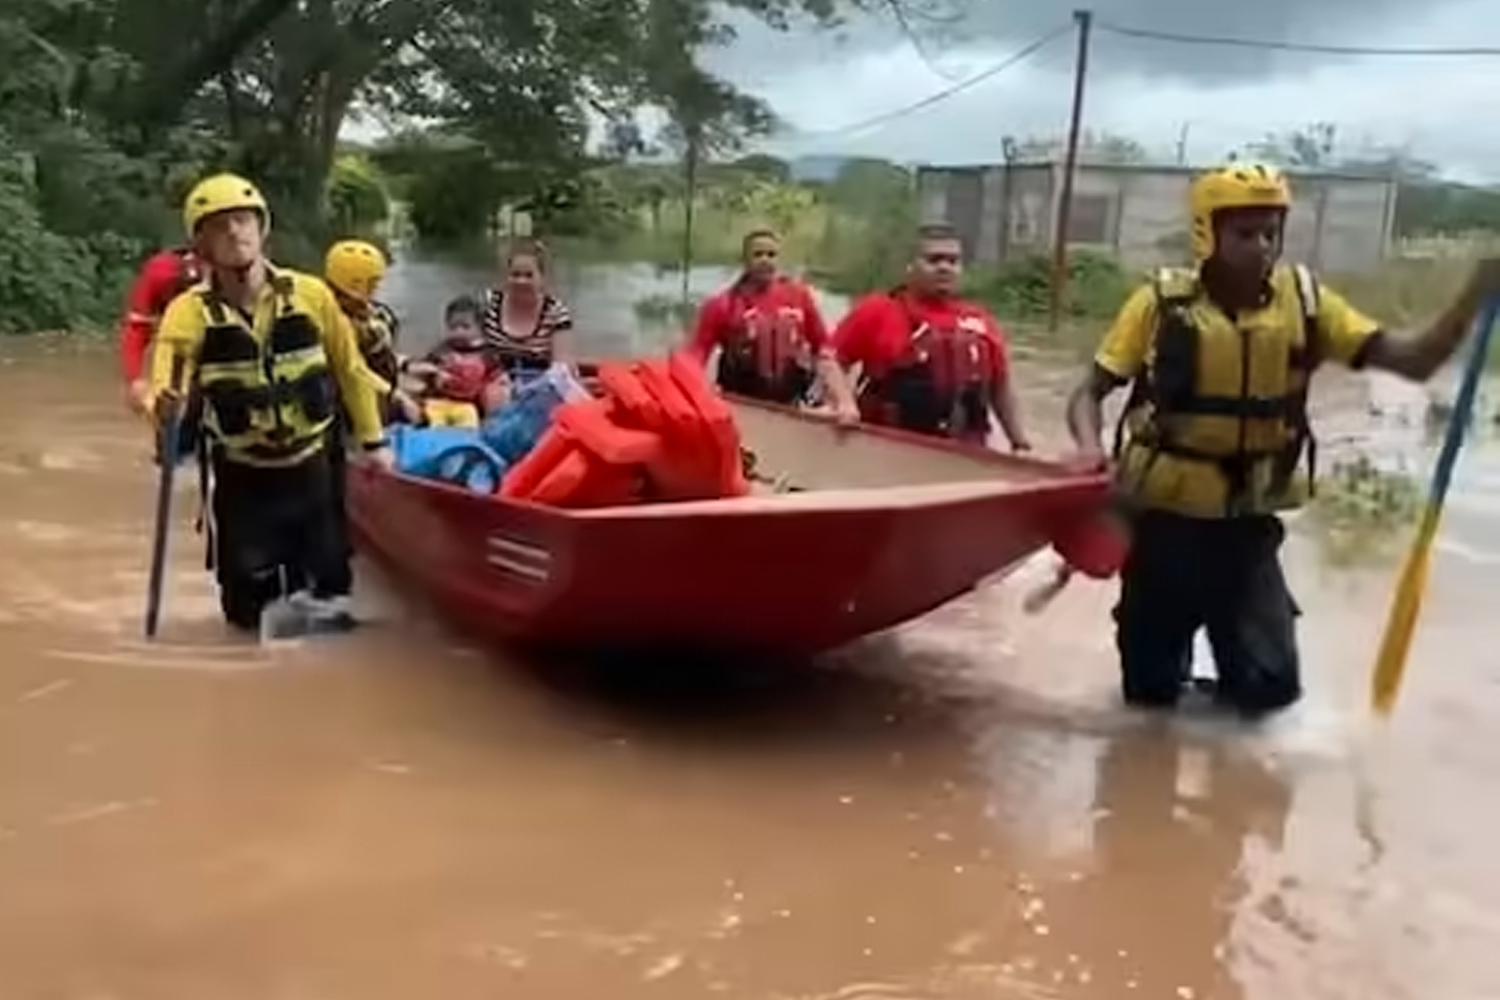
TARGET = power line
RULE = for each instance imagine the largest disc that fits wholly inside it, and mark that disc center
(967, 83)
(1275, 46)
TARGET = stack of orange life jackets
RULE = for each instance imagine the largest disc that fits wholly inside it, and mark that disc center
(658, 432)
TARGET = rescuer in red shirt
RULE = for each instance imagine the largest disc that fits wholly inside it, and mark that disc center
(164, 276)
(773, 340)
(930, 361)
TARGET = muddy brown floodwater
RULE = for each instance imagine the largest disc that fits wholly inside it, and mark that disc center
(956, 811)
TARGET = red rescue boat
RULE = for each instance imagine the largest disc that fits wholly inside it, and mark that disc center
(880, 527)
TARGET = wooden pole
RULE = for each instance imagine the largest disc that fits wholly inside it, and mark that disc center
(690, 182)
(1084, 19)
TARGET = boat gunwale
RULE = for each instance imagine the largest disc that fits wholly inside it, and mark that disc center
(1043, 476)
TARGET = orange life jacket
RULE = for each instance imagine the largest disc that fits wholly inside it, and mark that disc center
(766, 354)
(658, 433)
(941, 385)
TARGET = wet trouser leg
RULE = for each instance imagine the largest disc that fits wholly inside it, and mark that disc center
(1183, 574)
(276, 531)
(338, 462)
(1159, 611)
(1252, 620)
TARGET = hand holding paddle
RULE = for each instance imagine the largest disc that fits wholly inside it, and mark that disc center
(1390, 663)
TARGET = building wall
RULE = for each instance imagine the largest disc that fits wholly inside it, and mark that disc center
(1339, 224)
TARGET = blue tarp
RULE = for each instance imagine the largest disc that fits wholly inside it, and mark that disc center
(517, 428)
(479, 457)
(448, 454)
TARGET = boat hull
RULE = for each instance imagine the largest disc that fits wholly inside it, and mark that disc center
(795, 573)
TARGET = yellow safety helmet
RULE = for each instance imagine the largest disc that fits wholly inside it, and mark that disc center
(222, 193)
(354, 268)
(1236, 185)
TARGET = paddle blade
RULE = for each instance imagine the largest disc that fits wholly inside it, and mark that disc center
(1400, 627)
(1390, 665)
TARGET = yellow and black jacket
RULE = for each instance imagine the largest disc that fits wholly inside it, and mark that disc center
(1216, 425)
(271, 381)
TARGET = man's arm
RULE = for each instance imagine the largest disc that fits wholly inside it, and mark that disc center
(1086, 410)
(832, 376)
(359, 388)
(705, 336)
(178, 338)
(1003, 398)
(853, 337)
(1417, 356)
(1120, 358)
(138, 325)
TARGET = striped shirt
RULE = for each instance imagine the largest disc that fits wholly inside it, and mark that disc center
(529, 350)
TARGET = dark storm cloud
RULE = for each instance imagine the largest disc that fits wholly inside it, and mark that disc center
(1009, 25)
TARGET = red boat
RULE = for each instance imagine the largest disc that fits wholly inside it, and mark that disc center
(879, 527)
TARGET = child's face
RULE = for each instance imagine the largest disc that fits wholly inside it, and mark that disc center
(463, 327)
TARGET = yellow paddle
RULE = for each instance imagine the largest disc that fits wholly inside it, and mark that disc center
(1390, 664)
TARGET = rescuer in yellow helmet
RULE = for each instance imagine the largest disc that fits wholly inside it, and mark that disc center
(1215, 438)
(354, 270)
(273, 358)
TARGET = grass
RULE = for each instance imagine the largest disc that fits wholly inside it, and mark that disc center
(1362, 514)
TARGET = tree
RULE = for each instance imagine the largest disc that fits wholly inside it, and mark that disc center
(863, 184)
(1310, 147)
(765, 166)
(109, 109)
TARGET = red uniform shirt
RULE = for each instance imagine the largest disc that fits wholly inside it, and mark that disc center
(881, 332)
(729, 314)
(161, 279)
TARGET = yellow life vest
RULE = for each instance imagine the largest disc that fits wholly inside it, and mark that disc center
(268, 391)
(1217, 424)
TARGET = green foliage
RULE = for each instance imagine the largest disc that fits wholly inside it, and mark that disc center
(1425, 208)
(105, 119)
(765, 167)
(45, 279)
(1362, 513)
(1021, 288)
(357, 202)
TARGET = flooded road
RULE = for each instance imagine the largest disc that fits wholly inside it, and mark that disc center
(958, 811)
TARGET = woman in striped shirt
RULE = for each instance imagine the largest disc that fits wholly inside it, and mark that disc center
(525, 327)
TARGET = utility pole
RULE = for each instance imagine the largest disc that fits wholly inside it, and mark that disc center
(1084, 19)
(1182, 141)
(694, 134)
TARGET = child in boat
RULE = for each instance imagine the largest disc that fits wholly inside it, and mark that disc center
(460, 382)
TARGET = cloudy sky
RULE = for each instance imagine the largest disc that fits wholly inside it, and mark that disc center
(1444, 109)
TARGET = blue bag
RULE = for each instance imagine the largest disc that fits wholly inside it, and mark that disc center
(453, 455)
(513, 431)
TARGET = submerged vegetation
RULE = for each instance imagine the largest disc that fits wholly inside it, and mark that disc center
(1361, 513)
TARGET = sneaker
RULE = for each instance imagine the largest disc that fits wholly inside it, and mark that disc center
(335, 613)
